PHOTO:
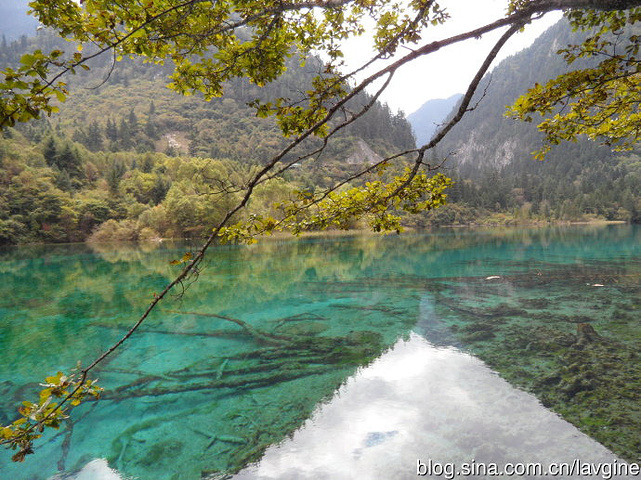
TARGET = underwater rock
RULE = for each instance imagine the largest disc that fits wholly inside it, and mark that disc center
(504, 310)
(478, 336)
(575, 385)
(565, 340)
(579, 319)
(361, 337)
(586, 334)
(303, 328)
(162, 452)
(478, 331)
(537, 303)
(549, 380)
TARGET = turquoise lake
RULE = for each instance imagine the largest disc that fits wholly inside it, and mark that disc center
(334, 357)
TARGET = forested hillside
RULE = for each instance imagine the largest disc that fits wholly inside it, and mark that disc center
(498, 180)
(126, 158)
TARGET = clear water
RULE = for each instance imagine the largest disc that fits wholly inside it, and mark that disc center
(194, 396)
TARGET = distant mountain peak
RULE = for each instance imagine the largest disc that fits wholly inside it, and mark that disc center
(426, 120)
(14, 20)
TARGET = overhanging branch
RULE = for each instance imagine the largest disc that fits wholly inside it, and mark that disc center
(515, 21)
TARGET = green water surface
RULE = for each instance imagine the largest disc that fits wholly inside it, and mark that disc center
(194, 395)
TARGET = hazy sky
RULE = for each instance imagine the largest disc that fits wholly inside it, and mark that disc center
(449, 71)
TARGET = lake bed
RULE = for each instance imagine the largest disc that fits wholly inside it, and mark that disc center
(361, 353)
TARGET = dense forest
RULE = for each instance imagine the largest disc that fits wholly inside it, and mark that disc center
(499, 181)
(127, 159)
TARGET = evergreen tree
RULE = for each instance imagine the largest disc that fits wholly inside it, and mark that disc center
(124, 135)
(111, 131)
(94, 137)
(68, 160)
(114, 175)
(50, 152)
(133, 123)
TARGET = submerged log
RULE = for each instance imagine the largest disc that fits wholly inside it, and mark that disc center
(66, 445)
(242, 383)
(251, 330)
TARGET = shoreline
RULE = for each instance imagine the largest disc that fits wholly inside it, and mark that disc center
(355, 231)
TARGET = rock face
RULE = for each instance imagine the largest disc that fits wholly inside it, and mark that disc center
(363, 154)
(486, 139)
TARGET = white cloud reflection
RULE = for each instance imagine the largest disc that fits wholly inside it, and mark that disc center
(422, 402)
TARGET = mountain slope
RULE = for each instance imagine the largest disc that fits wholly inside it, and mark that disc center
(490, 154)
(485, 137)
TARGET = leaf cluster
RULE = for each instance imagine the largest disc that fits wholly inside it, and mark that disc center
(378, 202)
(60, 392)
(25, 90)
(602, 101)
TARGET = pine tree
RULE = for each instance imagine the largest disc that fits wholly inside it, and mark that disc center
(133, 123)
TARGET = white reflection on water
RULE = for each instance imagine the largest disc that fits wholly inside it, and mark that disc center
(97, 469)
(427, 403)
